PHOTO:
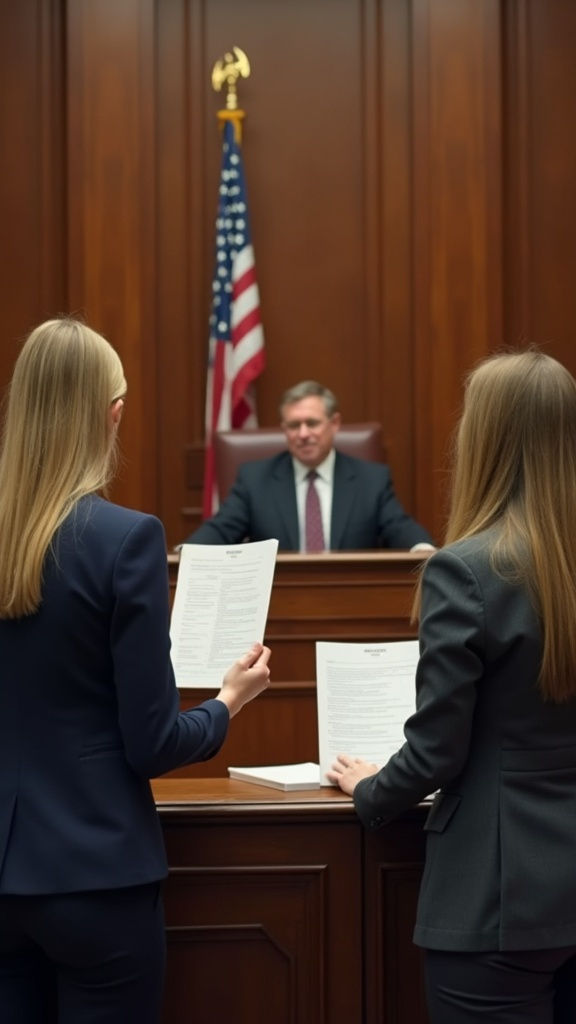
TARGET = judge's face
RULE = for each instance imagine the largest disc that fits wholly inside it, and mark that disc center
(309, 431)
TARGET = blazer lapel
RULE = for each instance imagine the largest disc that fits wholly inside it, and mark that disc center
(284, 496)
(343, 497)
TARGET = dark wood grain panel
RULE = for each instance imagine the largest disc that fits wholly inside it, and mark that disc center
(32, 172)
(540, 176)
(276, 918)
(263, 896)
(111, 210)
(457, 217)
(393, 864)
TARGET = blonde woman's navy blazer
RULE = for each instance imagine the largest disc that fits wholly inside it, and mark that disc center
(500, 868)
(89, 711)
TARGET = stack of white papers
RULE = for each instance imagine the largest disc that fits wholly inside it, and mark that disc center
(281, 776)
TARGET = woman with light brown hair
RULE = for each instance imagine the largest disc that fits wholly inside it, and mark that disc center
(495, 727)
(89, 709)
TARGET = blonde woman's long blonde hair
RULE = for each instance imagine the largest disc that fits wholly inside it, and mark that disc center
(515, 471)
(58, 445)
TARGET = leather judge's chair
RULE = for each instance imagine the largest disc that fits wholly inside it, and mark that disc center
(233, 447)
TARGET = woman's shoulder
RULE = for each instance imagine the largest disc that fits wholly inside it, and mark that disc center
(481, 543)
(475, 552)
(96, 513)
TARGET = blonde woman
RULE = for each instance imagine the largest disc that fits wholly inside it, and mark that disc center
(495, 726)
(89, 710)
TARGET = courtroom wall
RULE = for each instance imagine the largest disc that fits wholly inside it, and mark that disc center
(411, 170)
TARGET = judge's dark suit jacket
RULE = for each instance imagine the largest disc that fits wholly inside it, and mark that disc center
(262, 504)
(501, 834)
(89, 712)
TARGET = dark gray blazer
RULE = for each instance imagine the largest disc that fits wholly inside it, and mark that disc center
(501, 834)
(262, 504)
(89, 711)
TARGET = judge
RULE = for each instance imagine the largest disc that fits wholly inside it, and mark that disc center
(312, 497)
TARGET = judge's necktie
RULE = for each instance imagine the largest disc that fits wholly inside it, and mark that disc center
(313, 515)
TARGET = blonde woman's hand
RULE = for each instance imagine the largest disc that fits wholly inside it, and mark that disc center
(245, 679)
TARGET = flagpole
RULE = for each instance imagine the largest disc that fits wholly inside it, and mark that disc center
(236, 342)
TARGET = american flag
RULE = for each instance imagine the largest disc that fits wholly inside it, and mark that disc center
(236, 352)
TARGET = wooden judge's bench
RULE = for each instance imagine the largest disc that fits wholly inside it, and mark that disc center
(280, 907)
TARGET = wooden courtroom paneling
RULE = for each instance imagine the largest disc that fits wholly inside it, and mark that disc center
(32, 184)
(540, 176)
(457, 217)
(392, 871)
(411, 169)
(307, 916)
(342, 596)
(111, 210)
(270, 895)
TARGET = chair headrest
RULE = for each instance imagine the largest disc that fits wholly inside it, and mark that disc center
(234, 447)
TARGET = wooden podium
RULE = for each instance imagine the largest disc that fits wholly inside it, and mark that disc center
(307, 915)
(281, 908)
(344, 596)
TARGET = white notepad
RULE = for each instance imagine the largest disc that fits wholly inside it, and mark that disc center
(281, 776)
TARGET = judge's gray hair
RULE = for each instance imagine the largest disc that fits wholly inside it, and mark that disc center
(308, 389)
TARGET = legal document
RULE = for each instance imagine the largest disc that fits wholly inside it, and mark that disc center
(365, 693)
(220, 608)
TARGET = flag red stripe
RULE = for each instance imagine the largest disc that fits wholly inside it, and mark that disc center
(218, 379)
(209, 482)
(252, 369)
(241, 283)
(241, 413)
(251, 320)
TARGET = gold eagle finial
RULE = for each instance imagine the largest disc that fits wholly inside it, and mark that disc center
(227, 71)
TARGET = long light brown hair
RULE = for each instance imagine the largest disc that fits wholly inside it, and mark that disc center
(515, 471)
(58, 446)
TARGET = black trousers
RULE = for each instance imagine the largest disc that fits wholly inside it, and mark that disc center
(83, 958)
(535, 987)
